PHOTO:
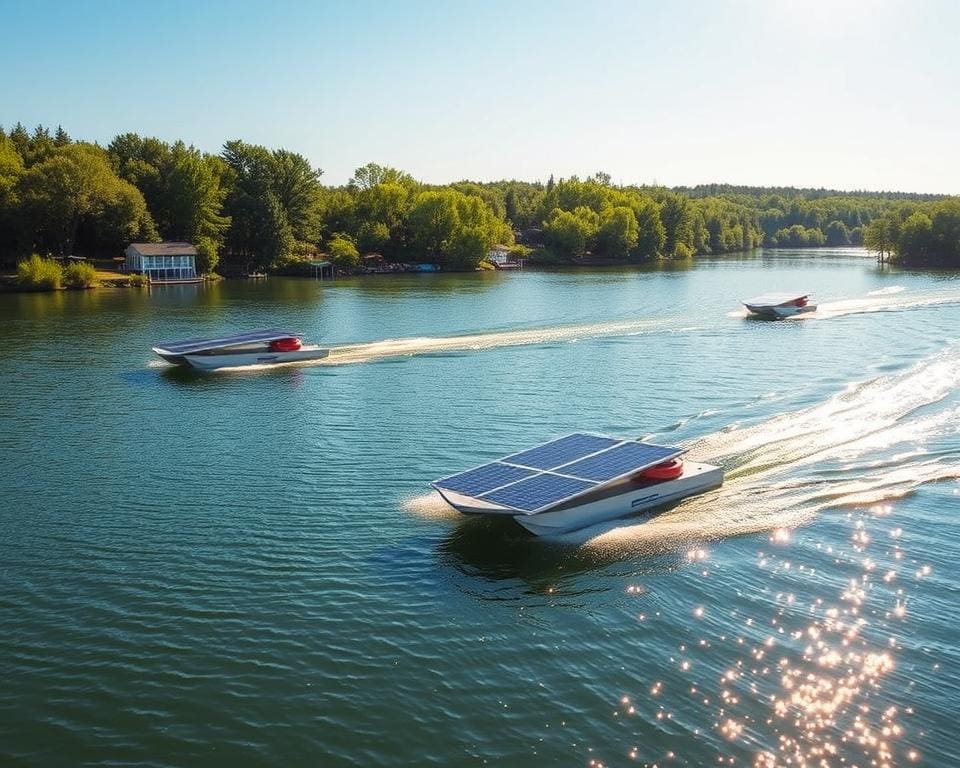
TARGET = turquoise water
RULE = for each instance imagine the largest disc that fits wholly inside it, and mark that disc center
(248, 568)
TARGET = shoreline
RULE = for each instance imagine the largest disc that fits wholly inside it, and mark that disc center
(116, 280)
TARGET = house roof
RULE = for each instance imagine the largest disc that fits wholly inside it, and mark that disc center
(164, 249)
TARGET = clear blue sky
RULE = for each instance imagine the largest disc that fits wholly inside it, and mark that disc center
(843, 94)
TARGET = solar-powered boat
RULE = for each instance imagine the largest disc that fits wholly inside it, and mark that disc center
(268, 347)
(776, 306)
(576, 481)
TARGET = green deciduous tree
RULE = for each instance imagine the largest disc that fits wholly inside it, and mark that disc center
(431, 223)
(678, 216)
(76, 187)
(380, 211)
(798, 236)
(651, 232)
(194, 198)
(184, 190)
(340, 211)
(928, 233)
(946, 232)
(837, 233)
(468, 247)
(11, 169)
(452, 229)
(343, 252)
(145, 163)
(260, 234)
(916, 237)
(879, 236)
(619, 233)
(373, 237)
(275, 202)
(372, 175)
(570, 233)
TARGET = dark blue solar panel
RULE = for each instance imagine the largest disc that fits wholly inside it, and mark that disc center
(538, 491)
(477, 481)
(557, 452)
(196, 345)
(618, 461)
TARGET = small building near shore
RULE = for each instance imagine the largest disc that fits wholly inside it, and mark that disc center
(163, 262)
(499, 255)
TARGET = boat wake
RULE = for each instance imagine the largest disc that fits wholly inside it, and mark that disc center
(376, 350)
(870, 444)
(891, 299)
(884, 300)
(890, 289)
(430, 506)
(372, 351)
(867, 445)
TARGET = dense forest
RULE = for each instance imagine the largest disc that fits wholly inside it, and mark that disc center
(923, 233)
(250, 208)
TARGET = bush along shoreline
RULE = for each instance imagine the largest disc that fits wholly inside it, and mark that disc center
(42, 274)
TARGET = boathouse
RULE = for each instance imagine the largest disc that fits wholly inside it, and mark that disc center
(498, 255)
(163, 262)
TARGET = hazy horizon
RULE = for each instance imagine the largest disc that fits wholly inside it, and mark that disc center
(846, 96)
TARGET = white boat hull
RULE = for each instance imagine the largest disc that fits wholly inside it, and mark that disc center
(262, 357)
(780, 312)
(621, 499)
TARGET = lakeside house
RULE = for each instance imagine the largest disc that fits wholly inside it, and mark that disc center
(163, 262)
(498, 255)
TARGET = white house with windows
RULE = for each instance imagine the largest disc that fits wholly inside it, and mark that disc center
(163, 262)
(498, 255)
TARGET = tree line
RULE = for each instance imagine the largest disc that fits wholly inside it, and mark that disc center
(924, 233)
(252, 208)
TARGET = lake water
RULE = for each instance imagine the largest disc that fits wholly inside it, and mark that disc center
(247, 568)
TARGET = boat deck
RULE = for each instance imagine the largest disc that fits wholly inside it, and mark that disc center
(556, 473)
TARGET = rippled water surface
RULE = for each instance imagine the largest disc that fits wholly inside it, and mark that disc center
(248, 568)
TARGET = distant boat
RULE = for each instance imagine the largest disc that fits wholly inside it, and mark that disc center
(269, 347)
(779, 305)
(576, 481)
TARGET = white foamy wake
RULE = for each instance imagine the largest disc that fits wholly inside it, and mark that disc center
(474, 342)
(430, 506)
(360, 353)
(862, 446)
(865, 445)
(409, 347)
(884, 300)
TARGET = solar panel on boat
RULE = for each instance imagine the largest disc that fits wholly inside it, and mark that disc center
(619, 460)
(187, 346)
(556, 471)
(475, 482)
(561, 451)
(538, 491)
(774, 299)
